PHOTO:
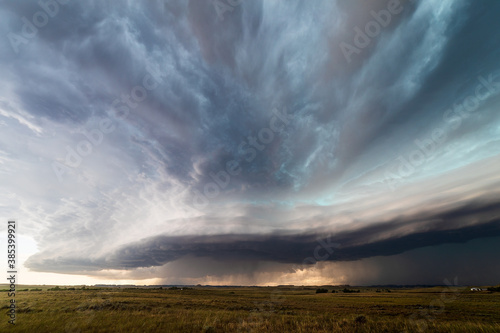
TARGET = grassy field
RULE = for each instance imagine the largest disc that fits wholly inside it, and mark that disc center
(272, 309)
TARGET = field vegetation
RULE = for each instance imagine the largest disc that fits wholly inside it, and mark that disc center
(252, 309)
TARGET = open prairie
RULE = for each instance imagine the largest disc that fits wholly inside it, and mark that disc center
(252, 309)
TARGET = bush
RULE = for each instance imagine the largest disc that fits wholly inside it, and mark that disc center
(350, 291)
(321, 291)
(56, 288)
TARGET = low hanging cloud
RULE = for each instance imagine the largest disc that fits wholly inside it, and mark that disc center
(142, 136)
(390, 238)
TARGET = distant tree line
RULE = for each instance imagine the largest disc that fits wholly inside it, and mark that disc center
(345, 290)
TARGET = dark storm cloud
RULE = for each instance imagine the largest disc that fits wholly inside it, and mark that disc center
(384, 239)
(288, 249)
(105, 49)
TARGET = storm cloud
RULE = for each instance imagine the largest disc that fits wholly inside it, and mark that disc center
(137, 137)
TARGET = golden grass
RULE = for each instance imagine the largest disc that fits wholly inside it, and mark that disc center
(252, 310)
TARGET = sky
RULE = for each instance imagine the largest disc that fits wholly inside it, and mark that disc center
(256, 142)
